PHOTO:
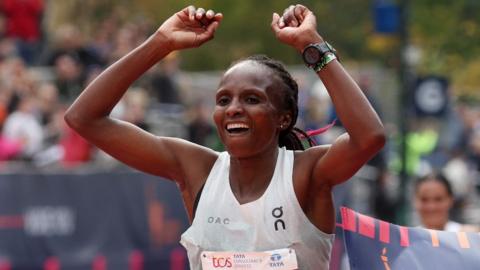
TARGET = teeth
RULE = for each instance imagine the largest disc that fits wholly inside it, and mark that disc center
(236, 125)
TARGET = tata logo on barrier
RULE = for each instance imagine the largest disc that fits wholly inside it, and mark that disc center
(275, 257)
(220, 262)
(276, 260)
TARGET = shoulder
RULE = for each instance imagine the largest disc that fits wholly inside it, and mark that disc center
(306, 160)
(199, 155)
(195, 160)
(453, 226)
(313, 153)
(470, 228)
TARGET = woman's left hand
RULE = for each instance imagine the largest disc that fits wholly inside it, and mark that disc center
(297, 27)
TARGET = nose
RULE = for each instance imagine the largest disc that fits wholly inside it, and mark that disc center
(234, 108)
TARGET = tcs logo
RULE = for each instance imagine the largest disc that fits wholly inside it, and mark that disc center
(221, 262)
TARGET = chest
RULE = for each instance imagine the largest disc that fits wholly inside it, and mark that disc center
(268, 222)
(270, 214)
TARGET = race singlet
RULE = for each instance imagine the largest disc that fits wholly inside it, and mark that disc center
(279, 259)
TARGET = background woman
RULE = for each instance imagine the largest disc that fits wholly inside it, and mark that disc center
(433, 201)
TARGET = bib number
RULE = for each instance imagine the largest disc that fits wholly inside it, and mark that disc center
(279, 259)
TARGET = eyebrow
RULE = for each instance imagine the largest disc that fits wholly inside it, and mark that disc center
(221, 93)
(245, 92)
(249, 89)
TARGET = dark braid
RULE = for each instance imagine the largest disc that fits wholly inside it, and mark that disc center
(291, 136)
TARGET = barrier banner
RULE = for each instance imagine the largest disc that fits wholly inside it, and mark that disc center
(93, 221)
(377, 245)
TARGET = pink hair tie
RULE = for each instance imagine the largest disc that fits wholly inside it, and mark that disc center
(322, 129)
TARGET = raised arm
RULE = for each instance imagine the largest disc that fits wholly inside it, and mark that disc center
(365, 135)
(89, 114)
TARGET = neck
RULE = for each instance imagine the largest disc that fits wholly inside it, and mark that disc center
(437, 226)
(249, 177)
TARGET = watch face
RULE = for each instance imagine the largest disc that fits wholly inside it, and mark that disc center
(311, 55)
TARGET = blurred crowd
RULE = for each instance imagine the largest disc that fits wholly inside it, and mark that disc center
(42, 73)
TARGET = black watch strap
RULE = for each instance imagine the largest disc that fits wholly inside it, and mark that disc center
(325, 47)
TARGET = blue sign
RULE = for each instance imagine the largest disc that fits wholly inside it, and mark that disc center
(387, 17)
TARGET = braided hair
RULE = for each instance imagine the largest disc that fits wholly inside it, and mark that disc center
(291, 137)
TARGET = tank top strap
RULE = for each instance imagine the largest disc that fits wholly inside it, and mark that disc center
(284, 172)
(214, 182)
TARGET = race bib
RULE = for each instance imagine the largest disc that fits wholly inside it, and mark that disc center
(280, 259)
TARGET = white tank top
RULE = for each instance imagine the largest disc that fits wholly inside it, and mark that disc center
(274, 221)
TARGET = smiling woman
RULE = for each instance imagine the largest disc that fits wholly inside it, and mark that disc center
(245, 114)
(265, 202)
(433, 201)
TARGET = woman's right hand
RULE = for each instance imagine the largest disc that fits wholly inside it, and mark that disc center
(188, 28)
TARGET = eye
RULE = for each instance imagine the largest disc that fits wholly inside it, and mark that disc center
(223, 100)
(252, 100)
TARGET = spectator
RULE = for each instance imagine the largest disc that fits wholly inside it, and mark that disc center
(9, 148)
(126, 38)
(68, 41)
(23, 24)
(69, 80)
(76, 149)
(164, 86)
(22, 125)
(200, 128)
(135, 106)
(15, 77)
(47, 99)
(433, 202)
(65, 147)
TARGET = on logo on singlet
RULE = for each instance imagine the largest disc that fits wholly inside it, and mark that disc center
(277, 213)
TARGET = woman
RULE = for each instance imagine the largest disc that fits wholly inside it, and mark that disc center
(433, 201)
(256, 196)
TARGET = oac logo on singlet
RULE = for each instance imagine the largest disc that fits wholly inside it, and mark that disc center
(277, 213)
(218, 220)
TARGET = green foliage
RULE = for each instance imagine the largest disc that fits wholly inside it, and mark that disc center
(246, 29)
(446, 31)
(449, 35)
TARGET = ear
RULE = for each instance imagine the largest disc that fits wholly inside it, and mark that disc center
(285, 120)
(450, 202)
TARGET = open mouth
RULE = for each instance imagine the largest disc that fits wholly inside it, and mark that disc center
(237, 128)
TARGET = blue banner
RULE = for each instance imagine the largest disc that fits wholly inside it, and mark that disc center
(98, 221)
(377, 245)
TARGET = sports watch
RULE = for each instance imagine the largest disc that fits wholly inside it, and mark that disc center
(313, 54)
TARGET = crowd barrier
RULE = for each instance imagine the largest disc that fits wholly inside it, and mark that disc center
(378, 245)
(99, 221)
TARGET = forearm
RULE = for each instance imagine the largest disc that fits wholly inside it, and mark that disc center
(298, 28)
(351, 105)
(99, 98)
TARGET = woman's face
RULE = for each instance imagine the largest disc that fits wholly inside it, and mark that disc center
(433, 203)
(246, 113)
